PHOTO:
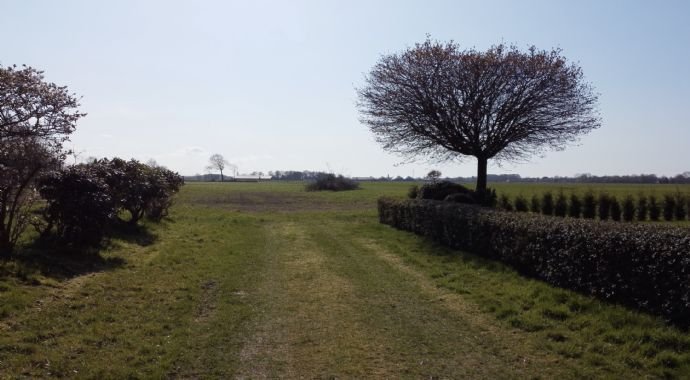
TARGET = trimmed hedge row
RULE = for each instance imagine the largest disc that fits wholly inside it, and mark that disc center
(642, 265)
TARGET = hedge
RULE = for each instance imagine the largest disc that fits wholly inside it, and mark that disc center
(642, 265)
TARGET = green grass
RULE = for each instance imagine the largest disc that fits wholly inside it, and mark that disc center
(266, 280)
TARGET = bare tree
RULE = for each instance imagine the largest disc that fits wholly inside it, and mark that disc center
(36, 118)
(439, 101)
(218, 162)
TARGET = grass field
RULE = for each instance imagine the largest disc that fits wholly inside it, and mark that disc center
(255, 280)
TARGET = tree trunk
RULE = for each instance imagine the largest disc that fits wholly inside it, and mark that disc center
(221, 176)
(481, 175)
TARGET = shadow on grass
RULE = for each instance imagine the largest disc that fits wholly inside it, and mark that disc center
(140, 235)
(53, 260)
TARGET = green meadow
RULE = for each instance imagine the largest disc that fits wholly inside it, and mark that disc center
(257, 280)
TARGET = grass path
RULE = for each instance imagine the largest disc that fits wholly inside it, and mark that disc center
(334, 306)
(221, 291)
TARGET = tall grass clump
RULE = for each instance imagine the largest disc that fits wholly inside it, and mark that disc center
(604, 206)
(629, 208)
(654, 209)
(561, 205)
(521, 203)
(669, 207)
(642, 208)
(575, 207)
(547, 203)
(589, 205)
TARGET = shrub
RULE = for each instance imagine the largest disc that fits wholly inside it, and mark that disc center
(561, 206)
(654, 209)
(521, 203)
(669, 207)
(643, 265)
(78, 207)
(615, 208)
(604, 206)
(138, 188)
(164, 184)
(488, 199)
(504, 203)
(589, 205)
(535, 204)
(642, 208)
(331, 182)
(460, 198)
(629, 209)
(547, 203)
(440, 190)
(413, 192)
(680, 211)
(575, 209)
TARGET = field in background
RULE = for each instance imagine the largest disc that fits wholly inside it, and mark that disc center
(617, 189)
(266, 280)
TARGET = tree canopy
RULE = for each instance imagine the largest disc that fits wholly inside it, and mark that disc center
(439, 101)
(36, 118)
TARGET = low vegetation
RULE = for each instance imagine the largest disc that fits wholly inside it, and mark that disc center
(266, 280)
(646, 266)
(332, 182)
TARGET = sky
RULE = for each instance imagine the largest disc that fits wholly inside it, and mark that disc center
(271, 85)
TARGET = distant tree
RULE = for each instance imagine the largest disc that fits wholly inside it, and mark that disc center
(36, 118)
(433, 175)
(218, 162)
(437, 100)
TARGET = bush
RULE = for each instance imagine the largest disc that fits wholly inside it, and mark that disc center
(460, 198)
(535, 204)
(164, 184)
(643, 265)
(440, 190)
(547, 203)
(629, 209)
(642, 208)
(413, 191)
(138, 188)
(669, 207)
(331, 182)
(561, 206)
(615, 208)
(654, 209)
(78, 207)
(589, 205)
(521, 203)
(504, 203)
(604, 206)
(575, 209)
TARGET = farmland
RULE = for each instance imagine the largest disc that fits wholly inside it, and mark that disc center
(266, 280)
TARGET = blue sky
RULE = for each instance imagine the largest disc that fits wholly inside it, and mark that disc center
(271, 84)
